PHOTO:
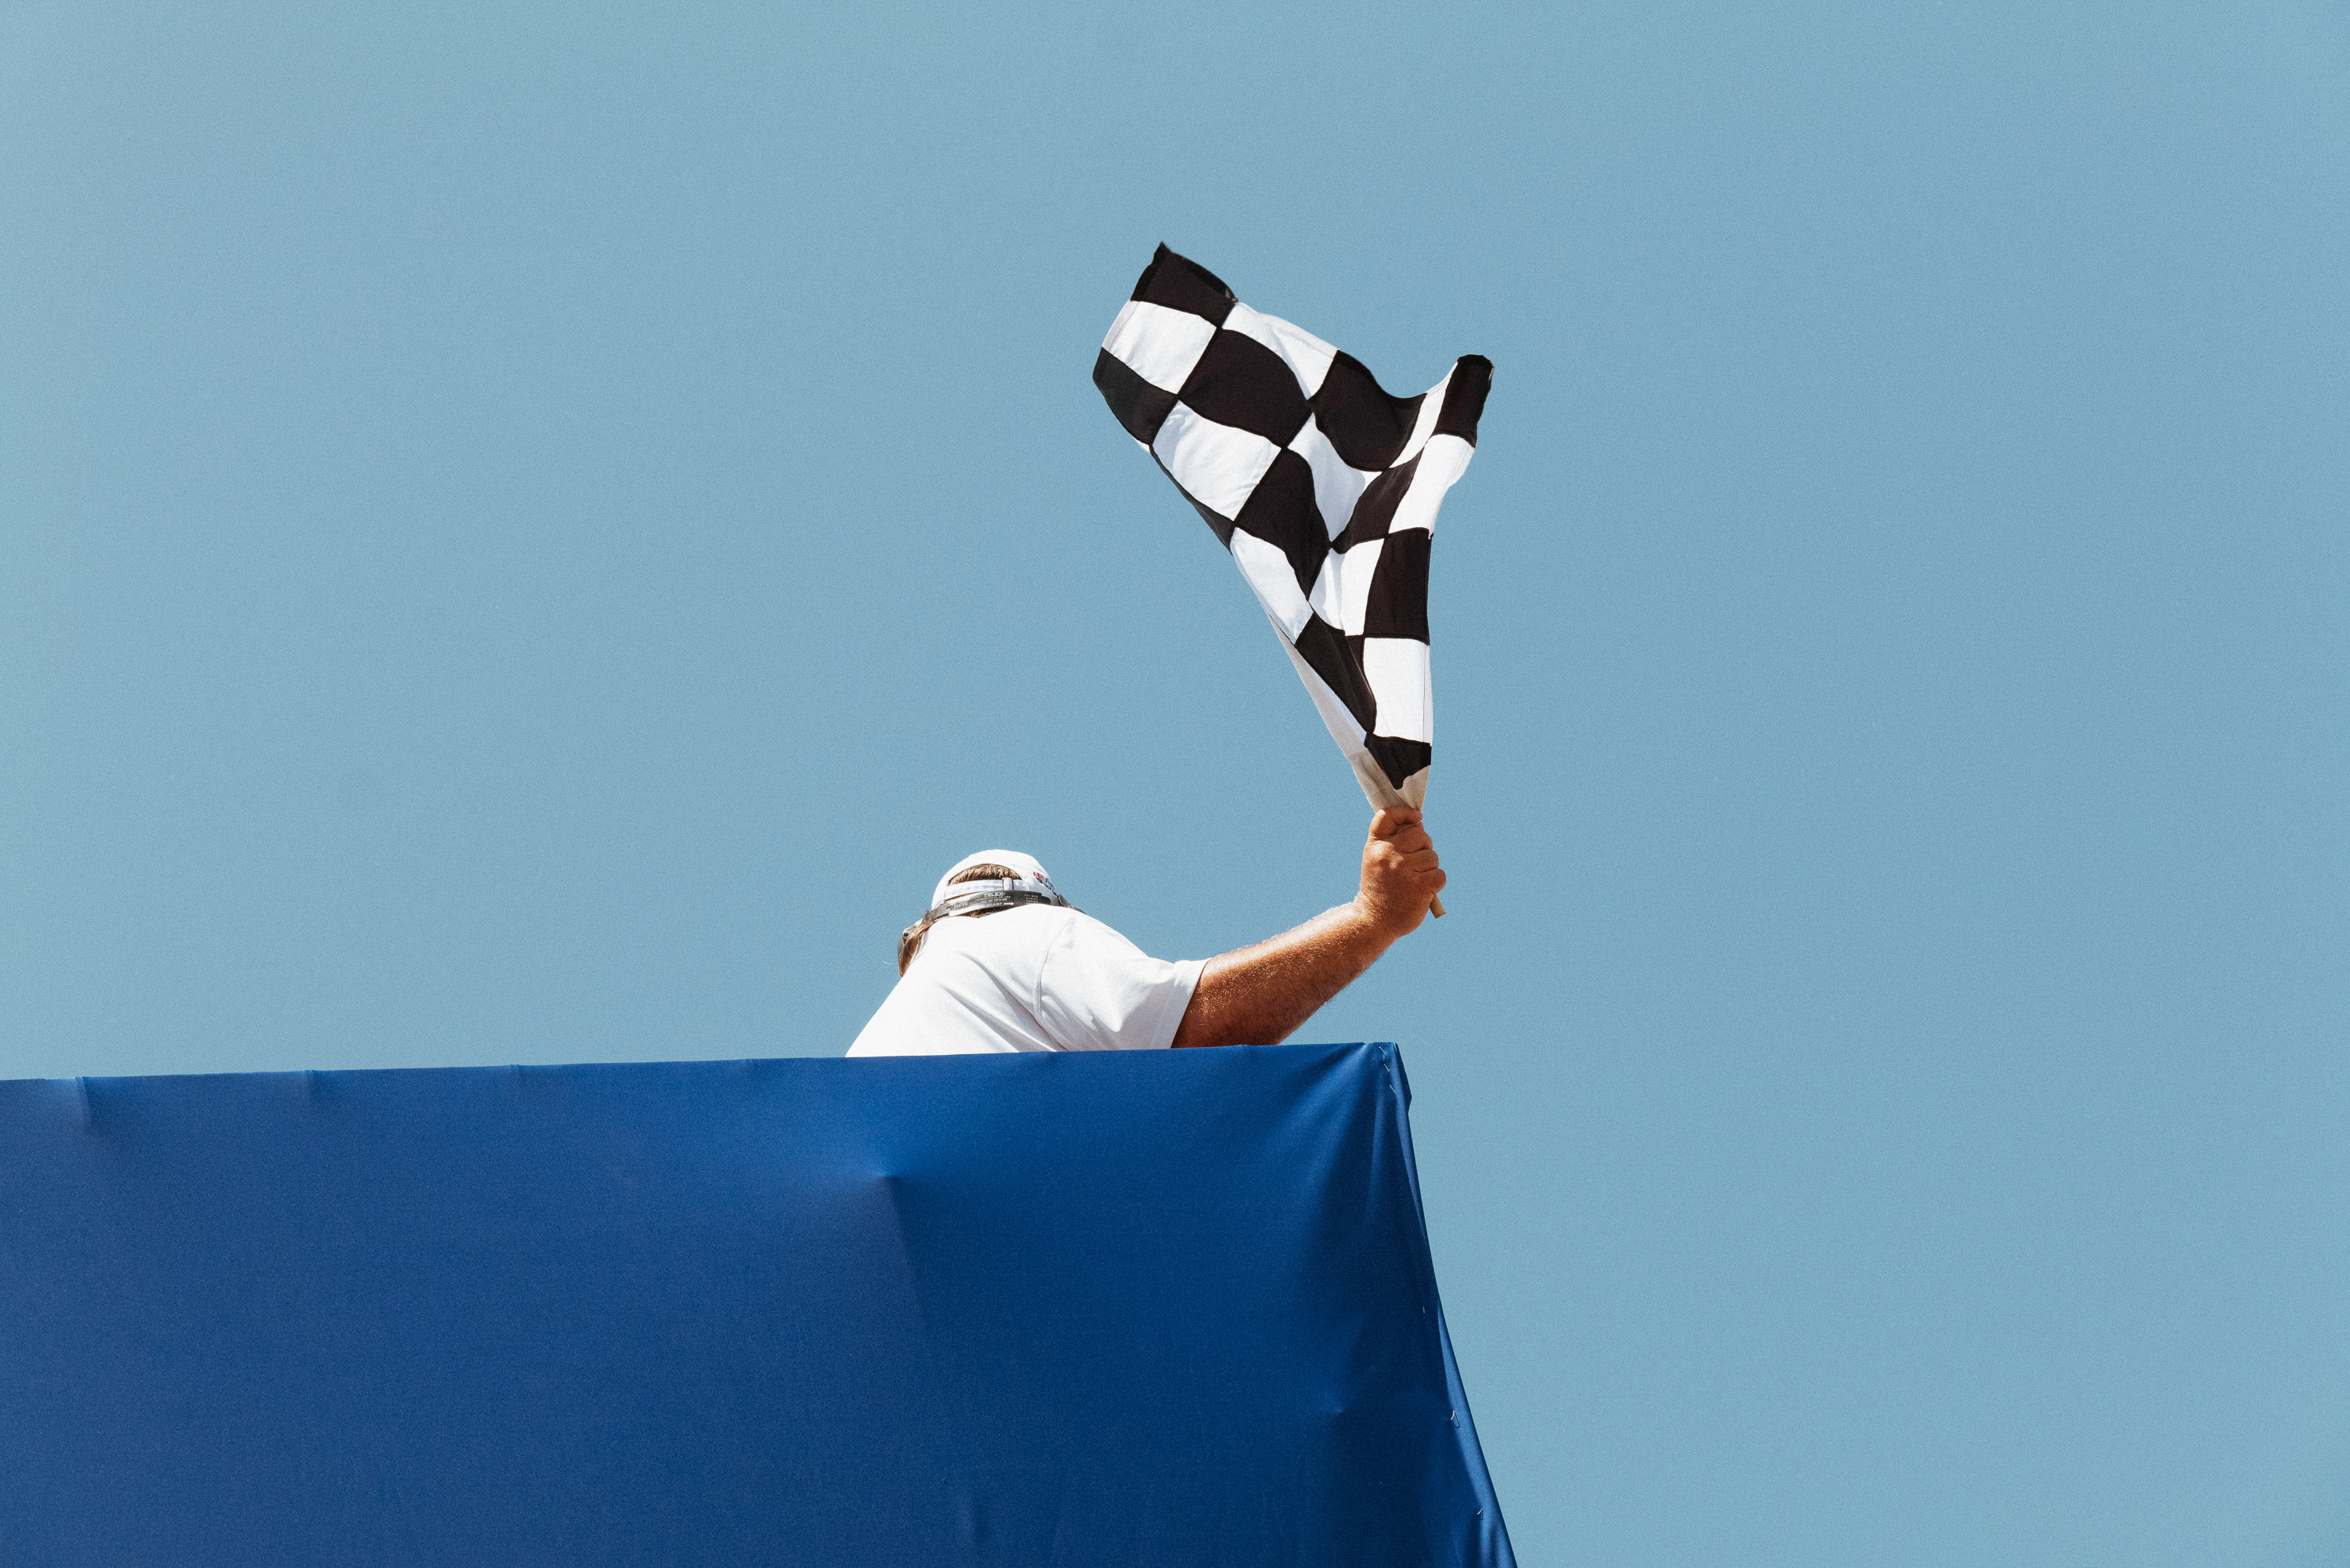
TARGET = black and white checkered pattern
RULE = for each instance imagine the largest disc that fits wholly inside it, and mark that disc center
(1323, 486)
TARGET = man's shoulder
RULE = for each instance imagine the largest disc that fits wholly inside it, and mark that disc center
(1028, 928)
(1032, 937)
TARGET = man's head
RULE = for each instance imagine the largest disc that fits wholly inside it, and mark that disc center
(995, 866)
(980, 884)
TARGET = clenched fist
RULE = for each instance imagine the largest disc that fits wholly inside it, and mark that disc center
(1401, 876)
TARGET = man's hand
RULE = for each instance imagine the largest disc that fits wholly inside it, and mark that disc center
(1401, 876)
(1256, 995)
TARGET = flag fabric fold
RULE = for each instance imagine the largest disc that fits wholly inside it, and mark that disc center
(1323, 486)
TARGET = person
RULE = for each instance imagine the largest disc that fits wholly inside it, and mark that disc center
(1002, 961)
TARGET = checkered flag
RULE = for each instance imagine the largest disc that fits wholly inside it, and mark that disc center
(1323, 486)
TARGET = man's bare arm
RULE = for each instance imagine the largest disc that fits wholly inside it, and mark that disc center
(1258, 995)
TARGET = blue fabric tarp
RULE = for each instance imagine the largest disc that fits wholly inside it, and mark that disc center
(1123, 1308)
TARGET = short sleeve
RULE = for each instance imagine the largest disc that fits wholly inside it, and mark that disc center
(1097, 992)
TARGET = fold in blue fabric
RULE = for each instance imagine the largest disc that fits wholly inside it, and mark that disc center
(1147, 1308)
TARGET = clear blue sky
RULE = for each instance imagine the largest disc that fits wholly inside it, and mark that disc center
(532, 533)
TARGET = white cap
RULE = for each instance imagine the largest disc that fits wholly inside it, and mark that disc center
(1029, 876)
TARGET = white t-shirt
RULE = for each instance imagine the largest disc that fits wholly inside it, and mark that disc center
(1034, 978)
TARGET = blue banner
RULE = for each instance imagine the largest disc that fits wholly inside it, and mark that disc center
(1147, 1308)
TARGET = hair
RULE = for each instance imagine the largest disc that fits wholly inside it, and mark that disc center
(911, 942)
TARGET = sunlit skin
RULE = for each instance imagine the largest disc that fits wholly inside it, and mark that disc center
(1259, 995)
